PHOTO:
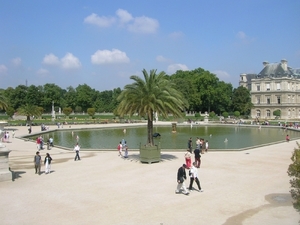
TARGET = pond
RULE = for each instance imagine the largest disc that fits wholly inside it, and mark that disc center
(237, 137)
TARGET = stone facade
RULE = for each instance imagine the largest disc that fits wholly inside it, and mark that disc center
(276, 87)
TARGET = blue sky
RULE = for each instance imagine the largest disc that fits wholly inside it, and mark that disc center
(103, 43)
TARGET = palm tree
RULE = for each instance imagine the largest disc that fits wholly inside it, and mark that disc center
(3, 102)
(153, 94)
(29, 111)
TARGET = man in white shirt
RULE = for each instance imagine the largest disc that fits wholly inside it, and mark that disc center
(76, 149)
(194, 176)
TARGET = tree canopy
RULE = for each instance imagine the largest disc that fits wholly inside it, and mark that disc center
(201, 89)
(153, 94)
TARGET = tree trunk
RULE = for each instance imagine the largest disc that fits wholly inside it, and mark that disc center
(150, 128)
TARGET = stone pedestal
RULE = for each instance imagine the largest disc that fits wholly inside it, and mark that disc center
(174, 127)
(5, 174)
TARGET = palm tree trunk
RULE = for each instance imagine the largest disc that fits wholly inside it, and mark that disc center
(150, 128)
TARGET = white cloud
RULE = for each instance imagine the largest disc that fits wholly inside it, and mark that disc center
(124, 16)
(176, 35)
(51, 59)
(174, 67)
(241, 35)
(69, 61)
(99, 21)
(3, 68)
(107, 56)
(222, 75)
(160, 58)
(143, 25)
(243, 38)
(16, 61)
(42, 72)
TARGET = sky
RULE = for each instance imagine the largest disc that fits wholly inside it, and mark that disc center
(103, 43)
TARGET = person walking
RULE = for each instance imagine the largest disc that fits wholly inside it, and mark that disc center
(47, 163)
(51, 142)
(76, 149)
(181, 176)
(194, 177)
(197, 157)
(190, 144)
(188, 158)
(37, 163)
(120, 149)
(206, 146)
(125, 148)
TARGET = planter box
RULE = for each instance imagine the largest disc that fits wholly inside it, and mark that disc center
(150, 154)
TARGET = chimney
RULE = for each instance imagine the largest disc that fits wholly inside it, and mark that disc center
(284, 64)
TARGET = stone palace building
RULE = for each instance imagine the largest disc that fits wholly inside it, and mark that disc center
(276, 87)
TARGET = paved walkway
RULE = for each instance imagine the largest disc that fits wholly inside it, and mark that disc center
(249, 187)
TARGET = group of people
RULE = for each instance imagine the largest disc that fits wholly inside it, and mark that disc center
(181, 177)
(6, 136)
(40, 143)
(122, 147)
(201, 147)
(38, 161)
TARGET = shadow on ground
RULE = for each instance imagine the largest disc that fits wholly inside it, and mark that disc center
(164, 157)
(16, 174)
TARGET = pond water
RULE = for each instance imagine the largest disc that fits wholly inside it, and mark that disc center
(108, 138)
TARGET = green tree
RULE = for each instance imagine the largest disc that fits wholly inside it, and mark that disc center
(51, 92)
(154, 93)
(10, 111)
(29, 111)
(70, 96)
(225, 114)
(294, 173)
(18, 96)
(236, 113)
(241, 100)
(67, 111)
(85, 96)
(34, 95)
(3, 101)
(91, 111)
(277, 113)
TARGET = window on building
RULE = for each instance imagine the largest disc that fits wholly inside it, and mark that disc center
(289, 113)
(268, 86)
(278, 86)
(258, 87)
(293, 98)
(258, 100)
(293, 113)
(268, 100)
(258, 113)
(289, 98)
(268, 113)
(288, 86)
(278, 99)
